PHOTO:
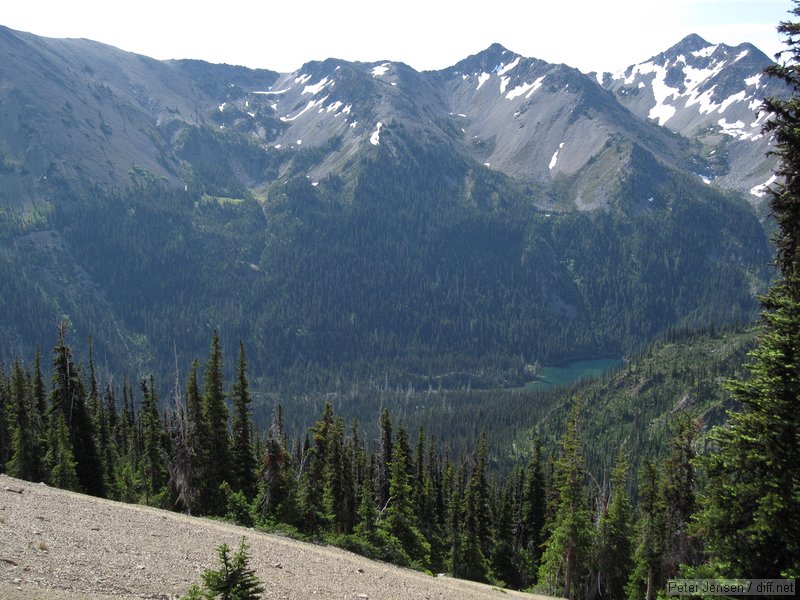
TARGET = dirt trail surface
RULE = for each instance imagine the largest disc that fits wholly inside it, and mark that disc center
(64, 546)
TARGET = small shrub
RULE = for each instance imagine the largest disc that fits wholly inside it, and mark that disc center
(234, 580)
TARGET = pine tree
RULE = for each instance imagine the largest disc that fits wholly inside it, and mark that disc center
(749, 515)
(384, 457)
(215, 421)
(679, 495)
(24, 448)
(367, 513)
(243, 460)
(181, 462)
(534, 509)
(153, 473)
(277, 482)
(233, 580)
(38, 415)
(69, 398)
(334, 507)
(5, 419)
(563, 566)
(647, 576)
(400, 521)
(59, 458)
(507, 564)
(313, 465)
(615, 535)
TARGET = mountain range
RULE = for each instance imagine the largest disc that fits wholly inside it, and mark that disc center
(349, 216)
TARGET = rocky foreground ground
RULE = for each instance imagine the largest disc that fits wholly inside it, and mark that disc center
(64, 546)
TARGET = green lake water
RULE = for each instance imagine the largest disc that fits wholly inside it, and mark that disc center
(571, 372)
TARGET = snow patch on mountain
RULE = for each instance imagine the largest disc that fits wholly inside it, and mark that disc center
(316, 88)
(311, 104)
(528, 88)
(753, 81)
(554, 159)
(275, 93)
(738, 130)
(483, 78)
(375, 138)
(761, 190)
(705, 52)
(505, 69)
(381, 70)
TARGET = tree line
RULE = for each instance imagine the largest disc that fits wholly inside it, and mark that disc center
(548, 524)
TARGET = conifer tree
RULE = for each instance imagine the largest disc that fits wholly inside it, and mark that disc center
(384, 457)
(484, 508)
(313, 465)
(243, 461)
(749, 515)
(38, 415)
(59, 459)
(679, 495)
(334, 508)
(400, 520)
(69, 398)
(647, 576)
(367, 525)
(96, 409)
(356, 470)
(215, 423)
(534, 508)
(5, 419)
(277, 482)
(614, 536)
(563, 567)
(181, 461)
(24, 462)
(153, 475)
(506, 565)
(233, 580)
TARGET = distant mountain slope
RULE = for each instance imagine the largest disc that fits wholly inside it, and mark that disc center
(709, 93)
(353, 220)
(534, 120)
(81, 115)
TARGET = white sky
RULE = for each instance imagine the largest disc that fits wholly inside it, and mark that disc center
(592, 35)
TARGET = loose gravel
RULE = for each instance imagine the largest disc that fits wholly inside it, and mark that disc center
(59, 545)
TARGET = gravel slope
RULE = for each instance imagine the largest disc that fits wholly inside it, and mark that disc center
(64, 546)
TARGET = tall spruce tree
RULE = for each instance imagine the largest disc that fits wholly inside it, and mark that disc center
(749, 515)
(215, 423)
(564, 561)
(59, 458)
(534, 509)
(647, 577)
(384, 457)
(243, 460)
(5, 419)
(615, 560)
(24, 447)
(68, 397)
(400, 520)
(153, 472)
